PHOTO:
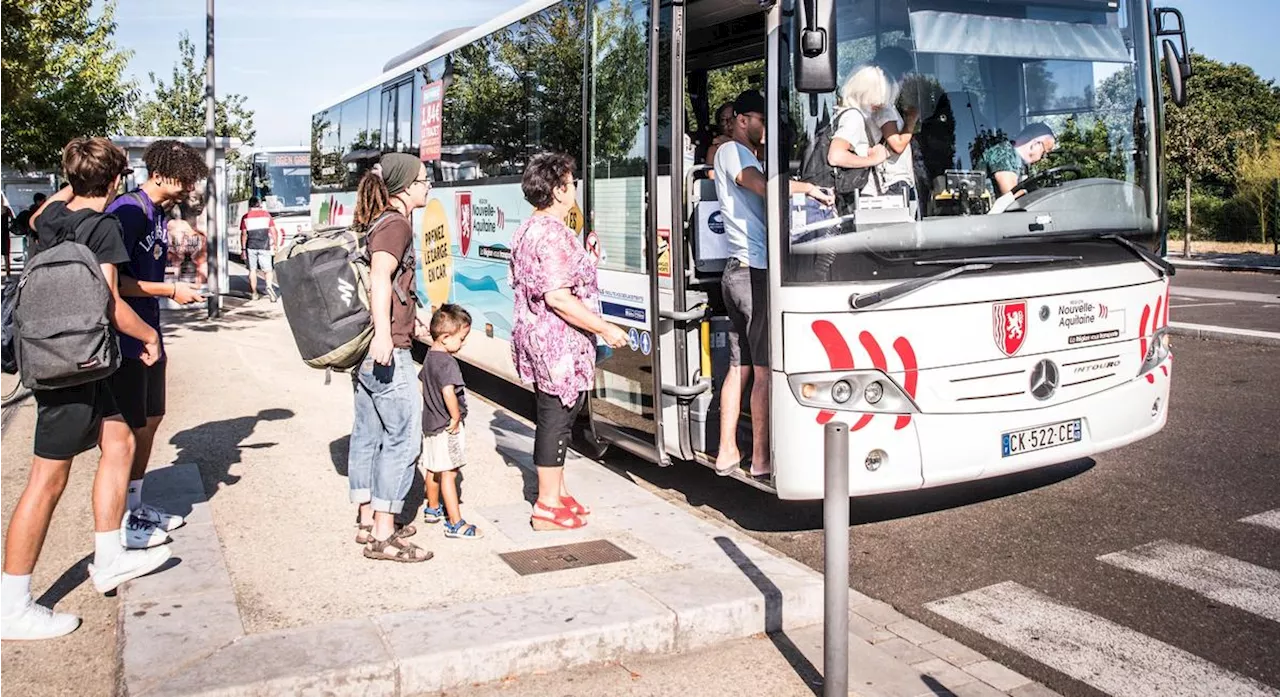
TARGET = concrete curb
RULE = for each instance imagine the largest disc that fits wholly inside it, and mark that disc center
(1240, 336)
(181, 632)
(1200, 265)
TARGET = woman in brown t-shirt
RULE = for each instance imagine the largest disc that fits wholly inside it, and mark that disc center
(386, 435)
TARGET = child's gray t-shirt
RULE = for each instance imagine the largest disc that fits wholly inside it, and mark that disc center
(439, 369)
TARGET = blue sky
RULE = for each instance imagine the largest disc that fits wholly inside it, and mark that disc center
(290, 56)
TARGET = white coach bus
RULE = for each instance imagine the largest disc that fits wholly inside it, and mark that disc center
(961, 334)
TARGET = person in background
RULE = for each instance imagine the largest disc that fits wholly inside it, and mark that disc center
(1007, 163)
(741, 188)
(386, 434)
(897, 128)
(557, 316)
(140, 388)
(858, 142)
(7, 227)
(69, 419)
(259, 240)
(22, 223)
(444, 414)
(724, 126)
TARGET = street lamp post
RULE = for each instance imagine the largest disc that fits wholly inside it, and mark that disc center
(211, 159)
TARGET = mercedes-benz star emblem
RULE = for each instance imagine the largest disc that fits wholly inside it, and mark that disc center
(1044, 380)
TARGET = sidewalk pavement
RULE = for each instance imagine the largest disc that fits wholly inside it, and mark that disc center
(268, 593)
(1260, 263)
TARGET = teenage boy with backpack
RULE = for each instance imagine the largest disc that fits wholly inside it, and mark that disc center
(69, 419)
(173, 168)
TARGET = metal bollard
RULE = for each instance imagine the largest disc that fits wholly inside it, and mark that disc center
(835, 568)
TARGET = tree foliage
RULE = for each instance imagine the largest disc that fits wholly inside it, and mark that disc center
(1230, 109)
(1230, 118)
(176, 108)
(1258, 180)
(63, 77)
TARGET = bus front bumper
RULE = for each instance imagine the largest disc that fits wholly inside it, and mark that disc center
(888, 453)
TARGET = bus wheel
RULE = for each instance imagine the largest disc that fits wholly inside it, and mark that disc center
(587, 444)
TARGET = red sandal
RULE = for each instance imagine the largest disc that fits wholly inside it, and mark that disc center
(560, 519)
(573, 505)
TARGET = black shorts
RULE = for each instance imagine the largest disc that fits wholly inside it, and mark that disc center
(138, 390)
(69, 420)
(746, 296)
(554, 428)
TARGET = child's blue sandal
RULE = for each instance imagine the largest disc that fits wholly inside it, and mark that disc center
(433, 515)
(462, 531)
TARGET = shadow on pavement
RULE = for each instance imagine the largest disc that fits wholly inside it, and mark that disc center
(70, 580)
(506, 430)
(217, 445)
(773, 610)
(338, 451)
(758, 511)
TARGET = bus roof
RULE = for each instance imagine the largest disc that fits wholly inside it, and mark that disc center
(444, 48)
(280, 148)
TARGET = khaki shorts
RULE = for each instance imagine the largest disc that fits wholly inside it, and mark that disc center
(444, 451)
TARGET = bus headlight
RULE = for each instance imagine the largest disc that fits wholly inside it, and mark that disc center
(1157, 351)
(859, 390)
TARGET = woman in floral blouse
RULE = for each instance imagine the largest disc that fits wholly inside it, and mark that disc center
(557, 317)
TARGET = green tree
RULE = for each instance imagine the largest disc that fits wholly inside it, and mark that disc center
(1257, 176)
(176, 108)
(1229, 111)
(63, 77)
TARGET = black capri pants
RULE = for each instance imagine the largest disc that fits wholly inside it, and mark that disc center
(554, 428)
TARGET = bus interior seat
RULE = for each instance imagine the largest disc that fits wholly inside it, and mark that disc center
(708, 246)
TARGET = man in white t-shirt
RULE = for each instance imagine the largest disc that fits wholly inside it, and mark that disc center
(741, 186)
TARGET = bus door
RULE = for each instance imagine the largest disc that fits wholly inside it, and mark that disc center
(686, 387)
(620, 181)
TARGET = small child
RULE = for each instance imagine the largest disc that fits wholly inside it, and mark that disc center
(444, 410)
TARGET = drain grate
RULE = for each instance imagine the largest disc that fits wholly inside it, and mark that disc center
(562, 557)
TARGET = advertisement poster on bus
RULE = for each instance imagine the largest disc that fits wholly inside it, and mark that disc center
(465, 244)
(432, 121)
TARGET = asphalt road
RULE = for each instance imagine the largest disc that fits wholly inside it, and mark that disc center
(1234, 299)
(1214, 464)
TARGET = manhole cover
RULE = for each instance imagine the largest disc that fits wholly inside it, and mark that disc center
(562, 557)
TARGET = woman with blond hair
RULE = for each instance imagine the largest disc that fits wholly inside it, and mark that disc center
(871, 132)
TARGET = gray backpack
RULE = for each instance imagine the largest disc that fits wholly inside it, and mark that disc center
(62, 316)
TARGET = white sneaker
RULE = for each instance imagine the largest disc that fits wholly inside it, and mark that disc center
(130, 564)
(165, 521)
(139, 533)
(34, 622)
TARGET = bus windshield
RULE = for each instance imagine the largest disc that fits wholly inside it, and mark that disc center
(283, 180)
(999, 124)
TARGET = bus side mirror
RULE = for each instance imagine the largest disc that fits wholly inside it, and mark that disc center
(1177, 63)
(815, 49)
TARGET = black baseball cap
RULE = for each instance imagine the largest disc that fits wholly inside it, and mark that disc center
(749, 102)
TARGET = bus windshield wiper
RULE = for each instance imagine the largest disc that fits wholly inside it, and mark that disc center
(1153, 260)
(963, 265)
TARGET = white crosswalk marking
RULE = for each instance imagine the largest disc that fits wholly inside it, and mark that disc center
(1229, 581)
(1093, 650)
(1270, 519)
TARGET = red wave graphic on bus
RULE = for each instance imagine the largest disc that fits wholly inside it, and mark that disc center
(1157, 316)
(840, 357)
